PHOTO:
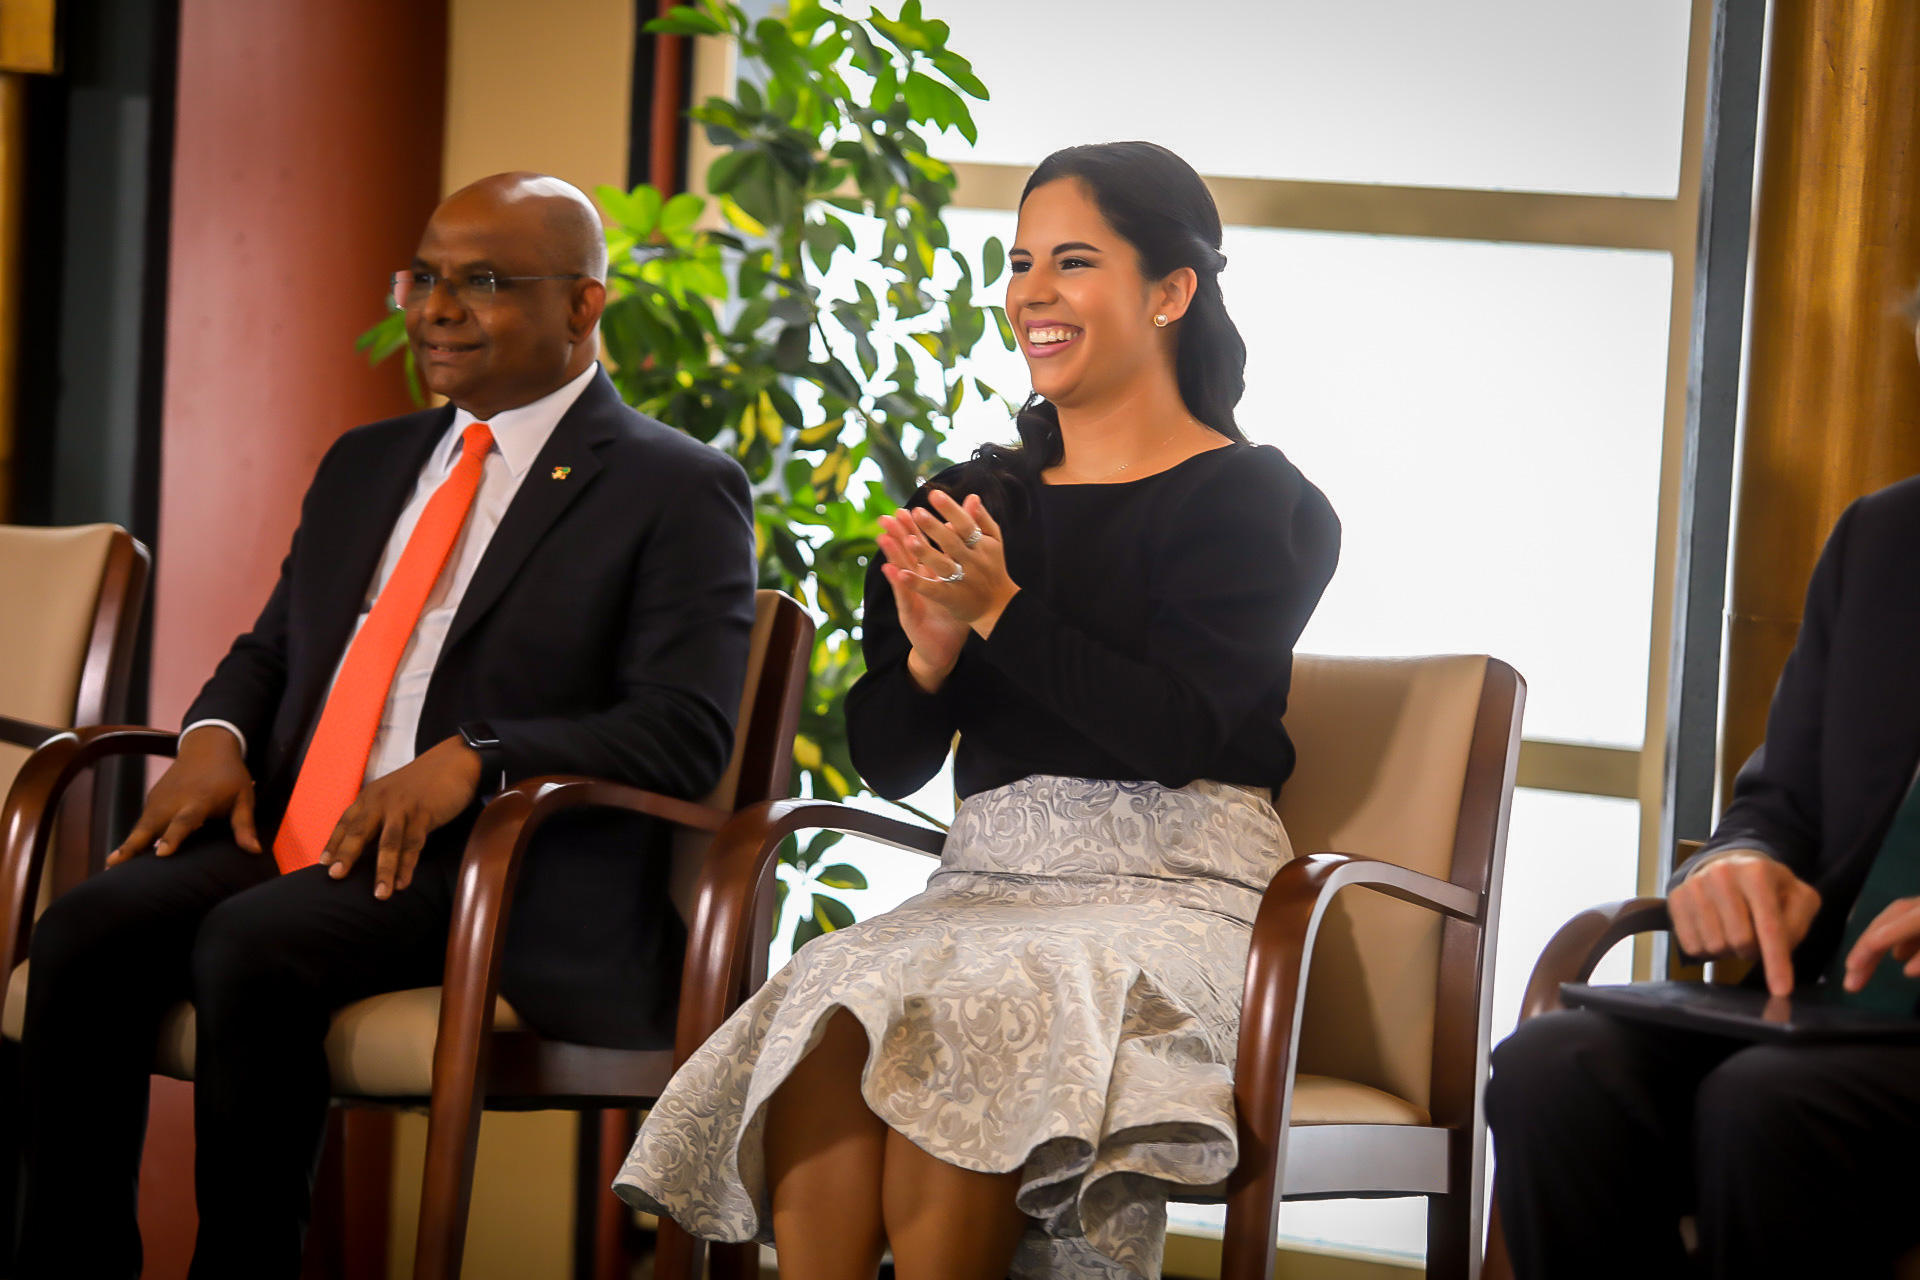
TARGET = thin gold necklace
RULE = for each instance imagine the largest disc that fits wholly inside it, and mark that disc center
(1133, 461)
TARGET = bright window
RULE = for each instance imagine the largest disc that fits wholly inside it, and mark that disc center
(1535, 95)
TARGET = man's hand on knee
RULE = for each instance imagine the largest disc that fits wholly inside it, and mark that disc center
(208, 779)
(1746, 905)
(394, 815)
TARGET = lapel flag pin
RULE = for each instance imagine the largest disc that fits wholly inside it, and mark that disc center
(561, 473)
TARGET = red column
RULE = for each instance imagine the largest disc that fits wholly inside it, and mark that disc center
(307, 158)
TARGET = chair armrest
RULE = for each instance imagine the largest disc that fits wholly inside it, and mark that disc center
(1580, 943)
(26, 733)
(490, 868)
(741, 858)
(26, 818)
(470, 985)
(1291, 910)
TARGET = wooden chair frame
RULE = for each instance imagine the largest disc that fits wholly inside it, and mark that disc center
(101, 698)
(1445, 1162)
(476, 1068)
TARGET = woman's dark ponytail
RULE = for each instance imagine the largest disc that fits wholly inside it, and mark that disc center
(1160, 206)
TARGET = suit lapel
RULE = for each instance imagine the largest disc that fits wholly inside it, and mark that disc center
(559, 475)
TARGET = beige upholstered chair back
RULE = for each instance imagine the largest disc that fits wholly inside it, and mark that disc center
(1383, 749)
(49, 589)
(762, 686)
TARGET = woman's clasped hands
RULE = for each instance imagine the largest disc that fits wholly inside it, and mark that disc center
(949, 576)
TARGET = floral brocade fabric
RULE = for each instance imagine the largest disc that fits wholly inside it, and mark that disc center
(1063, 1000)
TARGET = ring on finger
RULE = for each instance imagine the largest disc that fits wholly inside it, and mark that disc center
(959, 574)
(973, 537)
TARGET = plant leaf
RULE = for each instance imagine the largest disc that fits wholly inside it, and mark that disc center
(1006, 328)
(841, 875)
(680, 213)
(957, 69)
(831, 912)
(683, 21)
(993, 260)
(808, 929)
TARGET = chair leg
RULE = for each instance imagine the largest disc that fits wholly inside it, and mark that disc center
(676, 1255)
(612, 1259)
(733, 1261)
(1450, 1229)
(1248, 1238)
(446, 1184)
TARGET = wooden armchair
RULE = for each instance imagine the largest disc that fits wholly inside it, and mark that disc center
(1367, 1081)
(72, 607)
(458, 1049)
(73, 600)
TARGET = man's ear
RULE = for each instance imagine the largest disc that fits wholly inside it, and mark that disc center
(1172, 296)
(588, 300)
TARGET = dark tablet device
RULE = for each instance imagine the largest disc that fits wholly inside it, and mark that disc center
(1741, 1013)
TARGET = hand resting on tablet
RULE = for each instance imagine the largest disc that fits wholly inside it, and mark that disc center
(1748, 905)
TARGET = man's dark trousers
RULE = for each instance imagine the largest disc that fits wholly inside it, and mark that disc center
(1796, 1160)
(266, 959)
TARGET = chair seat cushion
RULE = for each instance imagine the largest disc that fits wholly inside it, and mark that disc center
(379, 1047)
(1326, 1100)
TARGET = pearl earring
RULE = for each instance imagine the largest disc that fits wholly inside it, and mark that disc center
(1159, 322)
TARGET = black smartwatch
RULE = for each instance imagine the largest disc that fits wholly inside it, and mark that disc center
(479, 736)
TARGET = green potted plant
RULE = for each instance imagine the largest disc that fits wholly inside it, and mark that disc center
(837, 406)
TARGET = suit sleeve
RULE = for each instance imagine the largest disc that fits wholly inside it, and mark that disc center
(684, 659)
(1776, 797)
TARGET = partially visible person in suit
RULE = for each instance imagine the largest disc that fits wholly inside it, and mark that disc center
(533, 579)
(1797, 1160)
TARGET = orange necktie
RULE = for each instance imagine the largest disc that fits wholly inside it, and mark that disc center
(336, 762)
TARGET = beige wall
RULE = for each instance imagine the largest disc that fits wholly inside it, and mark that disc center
(538, 86)
(521, 1225)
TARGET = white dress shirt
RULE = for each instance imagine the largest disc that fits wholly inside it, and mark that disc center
(518, 436)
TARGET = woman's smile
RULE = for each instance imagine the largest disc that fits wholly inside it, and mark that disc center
(1048, 338)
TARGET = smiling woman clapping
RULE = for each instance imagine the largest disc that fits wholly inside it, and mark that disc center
(1013, 1069)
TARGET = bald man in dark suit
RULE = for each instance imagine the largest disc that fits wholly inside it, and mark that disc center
(533, 579)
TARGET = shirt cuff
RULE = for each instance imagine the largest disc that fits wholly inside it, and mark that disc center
(228, 725)
(1714, 855)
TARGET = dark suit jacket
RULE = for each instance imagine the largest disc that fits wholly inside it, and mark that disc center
(605, 632)
(1843, 735)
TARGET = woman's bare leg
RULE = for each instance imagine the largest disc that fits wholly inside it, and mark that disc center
(824, 1149)
(945, 1222)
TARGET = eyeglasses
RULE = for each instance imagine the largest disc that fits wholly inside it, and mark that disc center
(413, 288)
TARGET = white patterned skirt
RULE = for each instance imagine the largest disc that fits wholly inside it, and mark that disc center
(1063, 1000)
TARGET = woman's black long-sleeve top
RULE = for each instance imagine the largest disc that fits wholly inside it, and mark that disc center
(1152, 637)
